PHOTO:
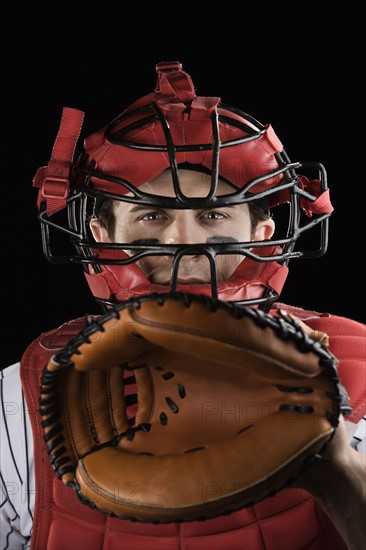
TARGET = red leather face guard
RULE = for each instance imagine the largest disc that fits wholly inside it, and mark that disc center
(164, 130)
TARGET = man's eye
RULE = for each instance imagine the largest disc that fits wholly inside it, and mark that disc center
(151, 216)
(214, 215)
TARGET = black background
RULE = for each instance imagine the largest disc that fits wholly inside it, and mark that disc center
(304, 81)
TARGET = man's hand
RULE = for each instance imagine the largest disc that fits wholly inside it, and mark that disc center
(338, 483)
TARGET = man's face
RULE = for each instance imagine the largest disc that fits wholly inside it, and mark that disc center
(152, 225)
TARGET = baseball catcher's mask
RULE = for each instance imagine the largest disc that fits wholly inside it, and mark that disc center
(167, 129)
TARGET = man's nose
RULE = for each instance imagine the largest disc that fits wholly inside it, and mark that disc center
(181, 231)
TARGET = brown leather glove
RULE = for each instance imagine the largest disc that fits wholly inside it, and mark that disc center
(232, 405)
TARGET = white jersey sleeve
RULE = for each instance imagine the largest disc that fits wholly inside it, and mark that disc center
(358, 436)
(17, 485)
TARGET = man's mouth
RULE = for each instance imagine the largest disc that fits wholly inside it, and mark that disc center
(187, 281)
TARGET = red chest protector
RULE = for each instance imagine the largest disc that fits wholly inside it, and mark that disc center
(288, 521)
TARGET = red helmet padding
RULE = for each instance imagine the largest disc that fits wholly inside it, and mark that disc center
(189, 125)
(189, 119)
(249, 280)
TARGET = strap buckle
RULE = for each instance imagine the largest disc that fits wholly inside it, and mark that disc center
(55, 187)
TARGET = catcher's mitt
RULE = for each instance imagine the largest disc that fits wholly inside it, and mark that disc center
(178, 407)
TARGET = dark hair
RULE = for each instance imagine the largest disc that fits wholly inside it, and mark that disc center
(104, 211)
(257, 214)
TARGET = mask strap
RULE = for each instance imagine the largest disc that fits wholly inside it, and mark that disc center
(53, 180)
(173, 81)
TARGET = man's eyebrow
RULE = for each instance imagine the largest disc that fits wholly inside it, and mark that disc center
(140, 207)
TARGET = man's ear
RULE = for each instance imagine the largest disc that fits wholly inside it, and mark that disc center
(264, 230)
(99, 232)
